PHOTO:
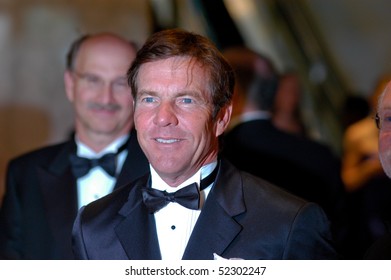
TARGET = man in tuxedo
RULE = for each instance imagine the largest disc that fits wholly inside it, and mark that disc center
(254, 144)
(45, 188)
(194, 204)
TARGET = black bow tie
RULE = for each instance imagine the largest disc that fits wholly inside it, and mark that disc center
(81, 166)
(188, 196)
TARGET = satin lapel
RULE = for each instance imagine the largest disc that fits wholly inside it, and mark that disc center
(58, 188)
(135, 165)
(216, 227)
(137, 232)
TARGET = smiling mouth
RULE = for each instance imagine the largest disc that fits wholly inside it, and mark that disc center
(166, 141)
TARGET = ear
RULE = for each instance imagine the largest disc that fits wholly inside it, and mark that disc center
(69, 85)
(223, 119)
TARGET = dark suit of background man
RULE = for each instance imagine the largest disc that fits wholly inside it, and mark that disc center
(44, 192)
(254, 144)
(193, 204)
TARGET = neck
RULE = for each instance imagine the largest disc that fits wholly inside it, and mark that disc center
(97, 142)
(174, 180)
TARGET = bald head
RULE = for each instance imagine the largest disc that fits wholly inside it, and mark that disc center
(102, 41)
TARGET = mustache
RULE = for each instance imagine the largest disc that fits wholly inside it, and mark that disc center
(108, 107)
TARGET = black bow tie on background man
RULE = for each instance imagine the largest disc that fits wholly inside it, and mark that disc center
(81, 166)
(188, 196)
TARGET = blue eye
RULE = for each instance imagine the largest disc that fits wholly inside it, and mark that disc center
(187, 100)
(148, 99)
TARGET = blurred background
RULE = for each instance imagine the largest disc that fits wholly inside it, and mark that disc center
(339, 49)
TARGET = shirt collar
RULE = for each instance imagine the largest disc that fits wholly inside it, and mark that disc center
(159, 184)
(85, 151)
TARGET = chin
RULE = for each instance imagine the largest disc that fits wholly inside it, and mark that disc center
(167, 166)
(105, 131)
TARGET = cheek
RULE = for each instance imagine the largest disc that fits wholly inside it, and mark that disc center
(384, 143)
(82, 97)
(138, 119)
(79, 101)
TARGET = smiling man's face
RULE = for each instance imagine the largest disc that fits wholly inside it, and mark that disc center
(173, 117)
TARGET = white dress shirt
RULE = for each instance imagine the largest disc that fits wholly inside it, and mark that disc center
(175, 223)
(97, 183)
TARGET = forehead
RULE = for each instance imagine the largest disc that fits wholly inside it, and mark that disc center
(105, 52)
(173, 72)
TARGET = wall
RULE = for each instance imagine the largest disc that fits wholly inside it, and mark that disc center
(34, 39)
(356, 33)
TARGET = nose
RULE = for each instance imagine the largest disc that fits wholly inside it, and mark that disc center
(106, 94)
(166, 115)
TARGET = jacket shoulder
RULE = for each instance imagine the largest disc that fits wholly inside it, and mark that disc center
(271, 196)
(112, 203)
(40, 154)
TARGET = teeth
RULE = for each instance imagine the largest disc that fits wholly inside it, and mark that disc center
(169, 141)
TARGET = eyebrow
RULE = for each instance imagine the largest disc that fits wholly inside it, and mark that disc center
(146, 92)
(178, 94)
(190, 93)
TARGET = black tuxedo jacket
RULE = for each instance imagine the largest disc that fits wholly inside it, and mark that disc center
(303, 167)
(40, 203)
(243, 217)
